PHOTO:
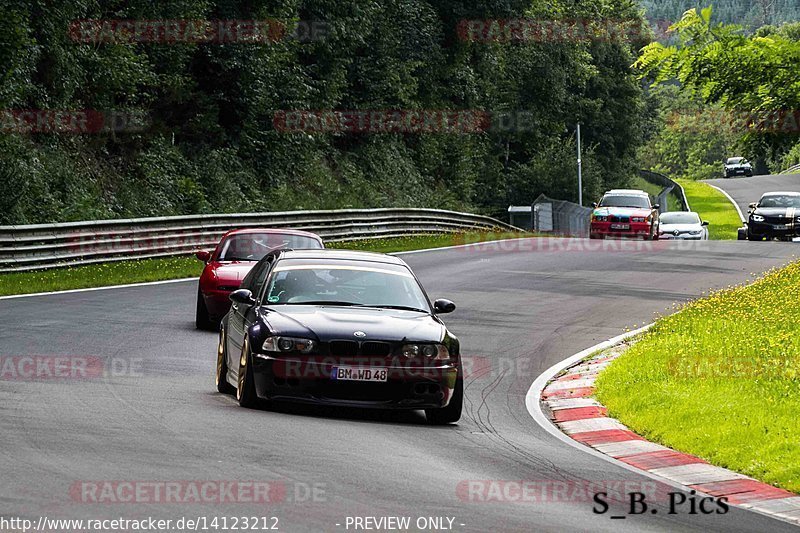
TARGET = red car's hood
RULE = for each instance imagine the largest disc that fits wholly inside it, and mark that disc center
(234, 271)
(624, 211)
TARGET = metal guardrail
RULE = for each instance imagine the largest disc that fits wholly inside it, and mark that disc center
(560, 217)
(661, 179)
(42, 246)
(792, 170)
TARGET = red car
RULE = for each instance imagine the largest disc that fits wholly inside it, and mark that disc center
(237, 252)
(624, 213)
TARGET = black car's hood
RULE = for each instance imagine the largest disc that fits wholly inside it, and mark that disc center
(777, 211)
(328, 322)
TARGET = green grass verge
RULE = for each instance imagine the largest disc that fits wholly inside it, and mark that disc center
(713, 206)
(421, 242)
(720, 379)
(122, 272)
(673, 202)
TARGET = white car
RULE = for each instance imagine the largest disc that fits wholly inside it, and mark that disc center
(684, 225)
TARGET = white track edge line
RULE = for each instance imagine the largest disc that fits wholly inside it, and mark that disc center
(728, 196)
(181, 280)
(534, 406)
(104, 288)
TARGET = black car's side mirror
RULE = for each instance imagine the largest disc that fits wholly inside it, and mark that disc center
(242, 296)
(594, 204)
(442, 306)
(704, 223)
(753, 205)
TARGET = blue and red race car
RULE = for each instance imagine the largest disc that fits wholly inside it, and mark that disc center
(624, 213)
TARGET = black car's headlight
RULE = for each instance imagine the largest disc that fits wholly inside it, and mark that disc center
(288, 344)
(432, 352)
(758, 218)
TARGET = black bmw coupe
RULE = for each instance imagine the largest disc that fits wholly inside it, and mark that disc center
(336, 327)
(776, 215)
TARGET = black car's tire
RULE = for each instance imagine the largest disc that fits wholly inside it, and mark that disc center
(201, 318)
(452, 413)
(751, 237)
(246, 391)
(222, 366)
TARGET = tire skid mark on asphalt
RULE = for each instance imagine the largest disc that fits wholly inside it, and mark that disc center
(514, 452)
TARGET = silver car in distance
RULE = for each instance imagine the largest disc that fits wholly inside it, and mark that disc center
(685, 225)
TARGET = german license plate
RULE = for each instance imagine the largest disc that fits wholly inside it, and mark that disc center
(620, 226)
(357, 373)
(780, 226)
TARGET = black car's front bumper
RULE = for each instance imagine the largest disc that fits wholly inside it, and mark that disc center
(310, 381)
(738, 172)
(765, 230)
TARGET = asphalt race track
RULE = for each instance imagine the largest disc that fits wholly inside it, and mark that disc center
(745, 191)
(521, 307)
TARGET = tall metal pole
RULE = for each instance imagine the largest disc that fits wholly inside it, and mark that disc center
(580, 176)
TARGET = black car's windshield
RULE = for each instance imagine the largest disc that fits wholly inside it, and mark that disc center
(780, 200)
(254, 246)
(345, 285)
(734, 160)
(679, 218)
(623, 200)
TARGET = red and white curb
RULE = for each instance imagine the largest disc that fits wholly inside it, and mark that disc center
(567, 390)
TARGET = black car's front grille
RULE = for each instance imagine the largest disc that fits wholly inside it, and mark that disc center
(343, 348)
(376, 349)
(777, 220)
(346, 348)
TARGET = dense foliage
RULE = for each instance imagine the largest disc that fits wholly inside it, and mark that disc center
(210, 144)
(737, 91)
(692, 139)
(749, 13)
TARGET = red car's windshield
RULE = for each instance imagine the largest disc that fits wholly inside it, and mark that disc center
(254, 246)
(619, 200)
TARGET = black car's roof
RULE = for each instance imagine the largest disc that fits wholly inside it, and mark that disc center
(344, 255)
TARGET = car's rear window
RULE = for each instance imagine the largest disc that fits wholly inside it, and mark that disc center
(254, 246)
